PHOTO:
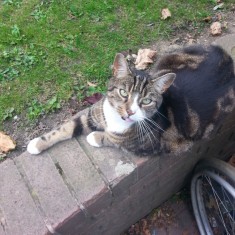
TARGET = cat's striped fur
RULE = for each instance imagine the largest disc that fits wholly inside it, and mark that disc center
(179, 102)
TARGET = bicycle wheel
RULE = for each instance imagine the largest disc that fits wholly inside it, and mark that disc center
(213, 197)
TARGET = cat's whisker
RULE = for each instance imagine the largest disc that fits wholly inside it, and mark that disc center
(149, 133)
(138, 133)
(162, 115)
(146, 129)
(143, 131)
(140, 126)
(155, 124)
(150, 129)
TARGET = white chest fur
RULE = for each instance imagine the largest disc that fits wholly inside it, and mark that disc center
(114, 121)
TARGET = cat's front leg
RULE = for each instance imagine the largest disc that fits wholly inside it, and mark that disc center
(66, 131)
(99, 139)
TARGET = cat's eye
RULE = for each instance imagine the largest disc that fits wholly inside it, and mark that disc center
(146, 101)
(123, 93)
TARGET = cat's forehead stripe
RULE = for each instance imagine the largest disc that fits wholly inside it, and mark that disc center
(142, 85)
(139, 83)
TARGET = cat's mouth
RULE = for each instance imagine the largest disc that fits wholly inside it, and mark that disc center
(128, 119)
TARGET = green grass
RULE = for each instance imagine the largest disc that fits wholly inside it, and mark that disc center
(50, 49)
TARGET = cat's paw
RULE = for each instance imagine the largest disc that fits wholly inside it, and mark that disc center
(91, 139)
(32, 146)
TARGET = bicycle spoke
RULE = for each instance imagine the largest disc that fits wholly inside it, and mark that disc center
(217, 197)
(214, 207)
(230, 203)
(222, 208)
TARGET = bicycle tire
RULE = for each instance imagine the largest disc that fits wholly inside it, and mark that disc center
(218, 171)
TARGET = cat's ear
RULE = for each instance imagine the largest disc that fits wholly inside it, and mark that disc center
(164, 82)
(120, 66)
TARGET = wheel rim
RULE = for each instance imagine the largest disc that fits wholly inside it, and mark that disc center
(218, 203)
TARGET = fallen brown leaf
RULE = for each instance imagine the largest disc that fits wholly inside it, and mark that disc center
(232, 160)
(216, 28)
(225, 25)
(207, 19)
(144, 58)
(145, 227)
(6, 143)
(219, 17)
(165, 13)
(93, 98)
(91, 84)
(191, 41)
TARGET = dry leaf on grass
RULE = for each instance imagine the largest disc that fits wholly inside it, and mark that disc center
(93, 98)
(216, 28)
(6, 143)
(219, 6)
(165, 13)
(144, 58)
(91, 84)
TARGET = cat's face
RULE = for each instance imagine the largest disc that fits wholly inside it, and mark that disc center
(135, 97)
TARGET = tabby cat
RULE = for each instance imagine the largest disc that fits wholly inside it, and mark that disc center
(180, 101)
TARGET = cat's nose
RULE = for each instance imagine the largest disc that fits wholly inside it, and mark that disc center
(130, 112)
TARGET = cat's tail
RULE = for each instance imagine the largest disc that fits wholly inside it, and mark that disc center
(66, 131)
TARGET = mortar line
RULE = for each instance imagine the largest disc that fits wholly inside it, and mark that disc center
(34, 197)
(107, 183)
(3, 222)
(68, 184)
